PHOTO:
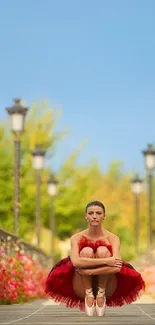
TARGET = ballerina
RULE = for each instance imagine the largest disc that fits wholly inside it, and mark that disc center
(94, 275)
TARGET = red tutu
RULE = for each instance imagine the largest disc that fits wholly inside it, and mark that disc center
(59, 281)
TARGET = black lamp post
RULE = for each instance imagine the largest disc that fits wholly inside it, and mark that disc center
(38, 164)
(136, 188)
(17, 113)
(52, 191)
(149, 156)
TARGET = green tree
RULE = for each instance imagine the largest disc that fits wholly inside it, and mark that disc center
(40, 129)
(74, 194)
(6, 184)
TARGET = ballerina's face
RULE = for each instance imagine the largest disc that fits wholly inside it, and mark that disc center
(94, 215)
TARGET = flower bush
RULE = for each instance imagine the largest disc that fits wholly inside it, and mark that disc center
(148, 274)
(21, 278)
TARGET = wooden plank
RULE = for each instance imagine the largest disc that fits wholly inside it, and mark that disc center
(42, 313)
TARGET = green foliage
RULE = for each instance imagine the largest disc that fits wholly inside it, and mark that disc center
(72, 199)
(40, 129)
(6, 184)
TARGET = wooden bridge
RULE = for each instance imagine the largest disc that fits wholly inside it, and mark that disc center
(44, 312)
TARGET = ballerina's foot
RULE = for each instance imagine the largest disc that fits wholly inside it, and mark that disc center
(89, 303)
(100, 302)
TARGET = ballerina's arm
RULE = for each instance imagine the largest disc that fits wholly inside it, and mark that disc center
(100, 270)
(115, 243)
(84, 262)
(106, 269)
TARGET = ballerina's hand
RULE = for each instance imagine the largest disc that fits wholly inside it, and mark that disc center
(115, 262)
(83, 271)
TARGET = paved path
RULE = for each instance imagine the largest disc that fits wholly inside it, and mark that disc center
(44, 312)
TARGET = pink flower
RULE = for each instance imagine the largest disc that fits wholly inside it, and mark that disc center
(21, 278)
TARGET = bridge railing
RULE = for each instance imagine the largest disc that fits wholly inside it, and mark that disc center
(12, 244)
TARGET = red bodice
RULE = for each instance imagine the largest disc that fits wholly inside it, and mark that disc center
(85, 242)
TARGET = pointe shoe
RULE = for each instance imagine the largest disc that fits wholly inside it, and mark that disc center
(90, 311)
(100, 311)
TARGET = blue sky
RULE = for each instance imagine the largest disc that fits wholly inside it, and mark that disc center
(94, 58)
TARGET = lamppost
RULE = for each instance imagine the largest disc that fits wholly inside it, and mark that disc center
(17, 113)
(38, 163)
(149, 156)
(136, 188)
(52, 191)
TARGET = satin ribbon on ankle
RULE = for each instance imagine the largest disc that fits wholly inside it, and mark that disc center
(100, 292)
(89, 293)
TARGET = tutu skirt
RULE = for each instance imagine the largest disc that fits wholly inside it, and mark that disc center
(59, 283)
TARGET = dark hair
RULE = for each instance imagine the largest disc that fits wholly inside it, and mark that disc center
(95, 203)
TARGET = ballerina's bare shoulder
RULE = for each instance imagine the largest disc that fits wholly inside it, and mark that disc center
(107, 236)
